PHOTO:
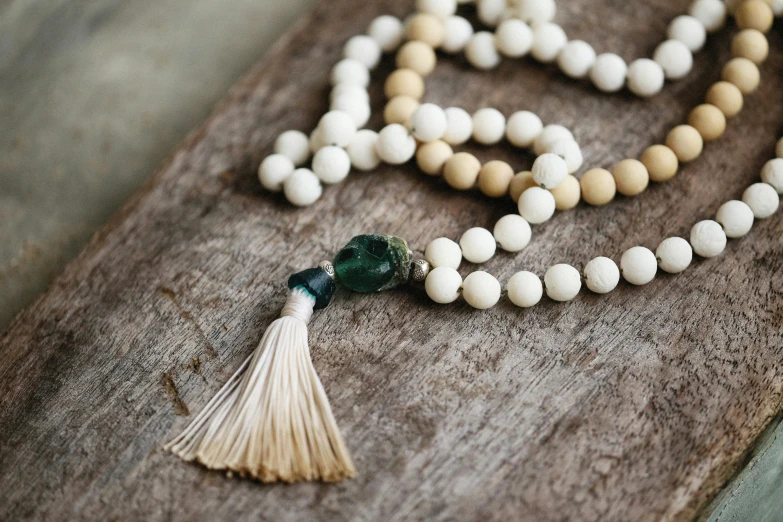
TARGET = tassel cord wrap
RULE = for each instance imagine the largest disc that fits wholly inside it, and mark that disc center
(272, 421)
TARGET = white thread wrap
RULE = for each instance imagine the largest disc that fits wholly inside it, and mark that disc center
(299, 305)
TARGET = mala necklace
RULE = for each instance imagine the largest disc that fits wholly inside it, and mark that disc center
(272, 421)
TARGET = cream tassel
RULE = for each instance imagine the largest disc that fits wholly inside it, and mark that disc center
(271, 421)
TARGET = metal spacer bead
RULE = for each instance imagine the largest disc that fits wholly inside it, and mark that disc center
(419, 270)
(327, 267)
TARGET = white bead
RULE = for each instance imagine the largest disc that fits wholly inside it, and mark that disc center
(395, 146)
(711, 14)
(439, 8)
(481, 52)
(354, 91)
(294, 145)
(708, 238)
(638, 265)
(513, 38)
(490, 12)
(536, 205)
(459, 126)
(736, 218)
(772, 174)
(512, 233)
(525, 289)
(457, 32)
(674, 58)
(336, 128)
(478, 245)
(481, 290)
(387, 31)
(549, 135)
(274, 170)
(428, 122)
(602, 275)
(523, 128)
(779, 148)
(762, 199)
(489, 126)
(576, 59)
(350, 71)
(316, 142)
(549, 170)
(363, 49)
(645, 77)
(361, 150)
(689, 31)
(562, 282)
(442, 284)
(548, 40)
(568, 150)
(358, 109)
(331, 164)
(674, 255)
(536, 11)
(777, 7)
(302, 188)
(443, 252)
(609, 72)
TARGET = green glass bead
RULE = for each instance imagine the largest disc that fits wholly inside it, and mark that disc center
(317, 282)
(373, 263)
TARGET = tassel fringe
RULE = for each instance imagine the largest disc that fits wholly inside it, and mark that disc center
(272, 421)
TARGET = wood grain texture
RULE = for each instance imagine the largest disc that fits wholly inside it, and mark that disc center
(633, 406)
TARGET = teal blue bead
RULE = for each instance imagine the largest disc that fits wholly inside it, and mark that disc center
(373, 263)
(316, 282)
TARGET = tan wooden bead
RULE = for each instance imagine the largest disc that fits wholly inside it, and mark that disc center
(743, 73)
(727, 97)
(461, 170)
(494, 178)
(426, 28)
(708, 120)
(404, 82)
(598, 187)
(661, 162)
(520, 183)
(432, 156)
(754, 14)
(686, 142)
(750, 44)
(418, 56)
(400, 109)
(630, 177)
(567, 193)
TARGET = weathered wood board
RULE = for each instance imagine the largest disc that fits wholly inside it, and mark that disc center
(633, 406)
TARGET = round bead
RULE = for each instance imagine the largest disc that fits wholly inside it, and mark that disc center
(443, 284)
(548, 40)
(567, 193)
(443, 252)
(568, 150)
(689, 31)
(489, 126)
(536, 205)
(513, 38)
(602, 275)
(430, 157)
(425, 28)
(608, 72)
(354, 91)
(638, 265)
(685, 142)
(274, 170)
(630, 177)
(523, 128)
(294, 145)
(395, 146)
(457, 32)
(302, 188)
(512, 233)
(711, 14)
(536, 11)
(777, 7)
(478, 245)
(762, 199)
(331, 164)
(481, 290)
(336, 128)
(772, 174)
(562, 282)
(363, 49)
(576, 59)
(362, 151)
(708, 120)
(735, 217)
(645, 77)
(490, 12)
(754, 14)
(675, 59)
(708, 238)
(461, 170)
(387, 31)
(725, 96)
(481, 52)
(406, 82)
(459, 126)
(520, 183)
(400, 109)
(750, 44)
(549, 170)
(350, 71)
(357, 109)
(598, 186)
(428, 122)
(494, 178)
(674, 255)
(743, 73)
(417, 56)
(439, 8)
(549, 136)
(525, 289)
(661, 162)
